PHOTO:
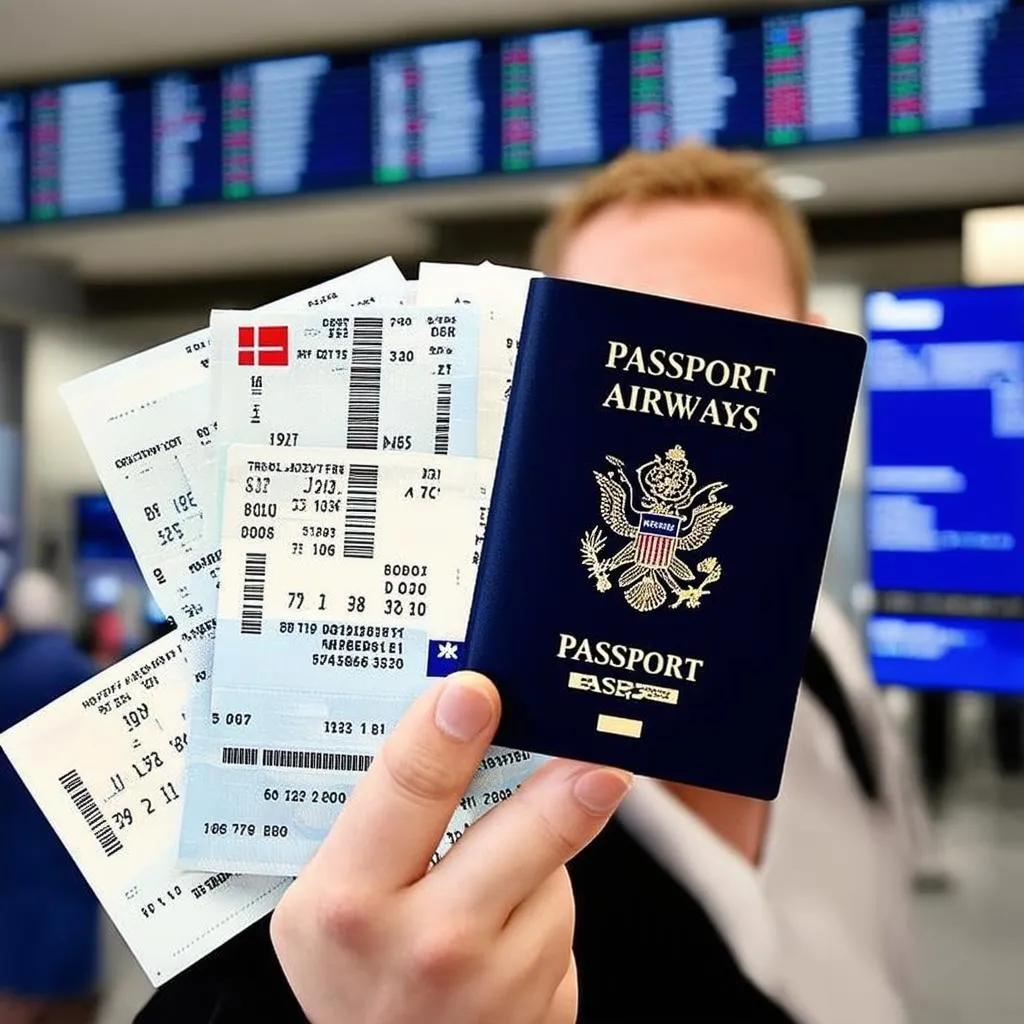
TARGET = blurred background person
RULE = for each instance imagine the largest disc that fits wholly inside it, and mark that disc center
(102, 637)
(48, 915)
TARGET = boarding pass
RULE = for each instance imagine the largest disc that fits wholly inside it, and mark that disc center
(148, 425)
(105, 762)
(347, 581)
(398, 379)
(499, 293)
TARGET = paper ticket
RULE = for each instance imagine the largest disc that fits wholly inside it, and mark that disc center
(105, 762)
(347, 581)
(499, 293)
(398, 379)
(148, 425)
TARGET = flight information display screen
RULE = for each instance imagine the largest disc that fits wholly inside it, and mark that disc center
(948, 654)
(294, 125)
(89, 149)
(564, 99)
(697, 79)
(954, 64)
(945, 479)
(814, 78)
(186, 138)
(429, 111)
(946, 471)
(12, 157)
(507, 105)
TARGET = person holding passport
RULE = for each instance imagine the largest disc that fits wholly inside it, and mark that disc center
(687, 904)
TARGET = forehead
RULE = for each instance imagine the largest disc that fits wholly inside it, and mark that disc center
(720, 253)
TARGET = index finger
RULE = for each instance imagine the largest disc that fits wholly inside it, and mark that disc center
(392, 824)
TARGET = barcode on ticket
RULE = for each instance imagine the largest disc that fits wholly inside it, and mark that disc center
(443, 420)
(364, 382)
(254, 582)
(87, 807)
(360, 512)
(318, 760)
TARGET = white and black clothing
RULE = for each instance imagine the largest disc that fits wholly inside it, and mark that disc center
(673, 925)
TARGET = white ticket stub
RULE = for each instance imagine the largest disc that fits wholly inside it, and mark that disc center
(105, 762)
(499, 293)
(149, 428)
(399, 379)
(346, 587)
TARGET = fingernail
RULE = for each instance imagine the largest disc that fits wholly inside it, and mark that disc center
(463, 710)
(601, 790)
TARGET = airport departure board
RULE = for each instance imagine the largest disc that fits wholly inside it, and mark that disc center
(428, 111)
(945, 487)
(507, 105)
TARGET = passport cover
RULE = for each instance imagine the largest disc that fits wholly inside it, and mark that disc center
(665, 491)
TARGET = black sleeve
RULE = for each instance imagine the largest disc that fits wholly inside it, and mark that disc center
(646, 952)
(240, 983)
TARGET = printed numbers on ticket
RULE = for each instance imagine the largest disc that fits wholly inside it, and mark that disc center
(105, 763)
(397, 379)
(346, 588)
(331, 558)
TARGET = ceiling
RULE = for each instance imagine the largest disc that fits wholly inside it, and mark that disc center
(65, 37)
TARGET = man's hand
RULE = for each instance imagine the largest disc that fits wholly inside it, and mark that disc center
(367, 936)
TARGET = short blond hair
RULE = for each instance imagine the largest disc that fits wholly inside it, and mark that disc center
(691, 171)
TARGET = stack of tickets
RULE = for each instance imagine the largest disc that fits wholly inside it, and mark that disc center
(305, 488)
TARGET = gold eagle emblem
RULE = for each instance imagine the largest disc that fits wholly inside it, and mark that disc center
(673, 516)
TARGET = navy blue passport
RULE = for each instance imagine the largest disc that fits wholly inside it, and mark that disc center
(665, 491)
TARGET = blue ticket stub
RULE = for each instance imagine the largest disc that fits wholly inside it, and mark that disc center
(346, 586)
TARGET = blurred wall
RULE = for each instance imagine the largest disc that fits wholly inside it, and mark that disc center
(840, 303)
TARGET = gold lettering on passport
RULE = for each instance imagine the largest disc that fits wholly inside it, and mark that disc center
(691, 369)
(672, 516)
(631, 659)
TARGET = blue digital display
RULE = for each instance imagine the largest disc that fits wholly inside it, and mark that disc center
(294, 125)
(186, 138)
(701, 79)
(429, 105)
(12, 157)
(945, 486)
(98, 533)
(946, 466)
(507, 104)
(948, 654)
(89, 149)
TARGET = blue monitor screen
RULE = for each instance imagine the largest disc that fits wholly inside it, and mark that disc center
(294, 125)
(89, 148)
(430, 108)
(99, 534)
(946, 464)
(945, 486)
(507, 104)
(12, 157)
(948, 654)
(186, 138)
